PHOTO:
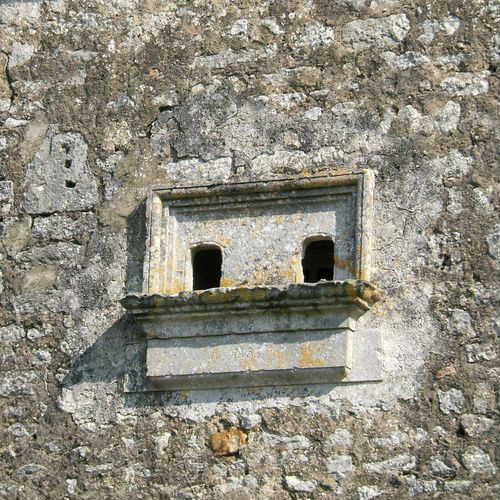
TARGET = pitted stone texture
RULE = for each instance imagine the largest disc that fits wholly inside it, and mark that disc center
(340, 467)
(383, 32)
(399, 463)
(475, 425)
(293, 483)
(58, 179)
(478, 461)
(6, 196)
(451, 401)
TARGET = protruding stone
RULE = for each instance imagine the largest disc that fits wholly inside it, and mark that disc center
(293, 483)
(451, 401)
(340, 466)
(478, 462)
(251, 420)
(475, 425)
(228, 442)
(381, 32)
(399, 463)
(6, 196)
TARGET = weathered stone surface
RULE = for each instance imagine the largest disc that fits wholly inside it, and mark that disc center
(439, 468)
(484, 399)
(399, 463)
(475, 425)
(58, 178)
(457, 486)
(11, 333)
(481, 352)
(478, 462)
(451, 401)
(340, 439)
(188, 93)
(379, 33)
(250, 420)
(6, 197)
(340, 467)
(368, 492)
(294, 483)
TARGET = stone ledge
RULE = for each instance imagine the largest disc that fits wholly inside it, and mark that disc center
(349, 292)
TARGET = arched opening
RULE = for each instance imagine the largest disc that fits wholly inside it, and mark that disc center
(207, 267)
(318, 260)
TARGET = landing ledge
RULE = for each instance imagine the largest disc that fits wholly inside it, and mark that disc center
(360, 293)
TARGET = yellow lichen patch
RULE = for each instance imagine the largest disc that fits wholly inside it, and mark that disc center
(252, 293)
(249, 363)
(228, 282)
(175, 287)
(345, 264)
(277, 359)
(307, 358)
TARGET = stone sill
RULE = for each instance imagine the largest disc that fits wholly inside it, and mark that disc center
(359, 293)
(259, 336)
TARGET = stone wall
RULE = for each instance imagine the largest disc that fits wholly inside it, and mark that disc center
(99, 100)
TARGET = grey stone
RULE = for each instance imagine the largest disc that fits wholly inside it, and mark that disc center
(461, 323)
(459, 486)
(341, 438)
(477, 461)
(6, 196)
(439, 468)
(451, 401)
(62, 227)
(475, 425)
(17, 383)
(11, 333)
(393, 441)
(466, 84)
(20, 54)
(161, 443)
(58, 179)
(480, 352)
(483, 399)
(368, 492)
(15, 234)
(250, 420)
(399, 463)
(493, 240)
(293, 483)
(383, 32)
(71, 485)
(419, 486)
(18, 430)
(32, 469)
(35, 333)
(340, 466)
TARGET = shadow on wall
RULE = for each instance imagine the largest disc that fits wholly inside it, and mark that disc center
(119, 354)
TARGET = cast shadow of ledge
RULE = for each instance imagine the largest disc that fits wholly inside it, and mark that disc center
(119, 355)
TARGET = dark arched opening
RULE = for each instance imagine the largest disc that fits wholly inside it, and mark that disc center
(207, 267)
(318, 261)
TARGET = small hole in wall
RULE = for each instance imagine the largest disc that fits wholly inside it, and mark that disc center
(65, 147)
(317, 263)
(67, 163)
(70, 184)
(207, 268)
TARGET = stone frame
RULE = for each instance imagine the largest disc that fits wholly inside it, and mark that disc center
(249, 336)
(162, 200)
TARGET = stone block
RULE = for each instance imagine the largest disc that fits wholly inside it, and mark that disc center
(58, 178)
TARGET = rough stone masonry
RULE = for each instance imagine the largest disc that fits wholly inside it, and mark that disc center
(100, 100)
